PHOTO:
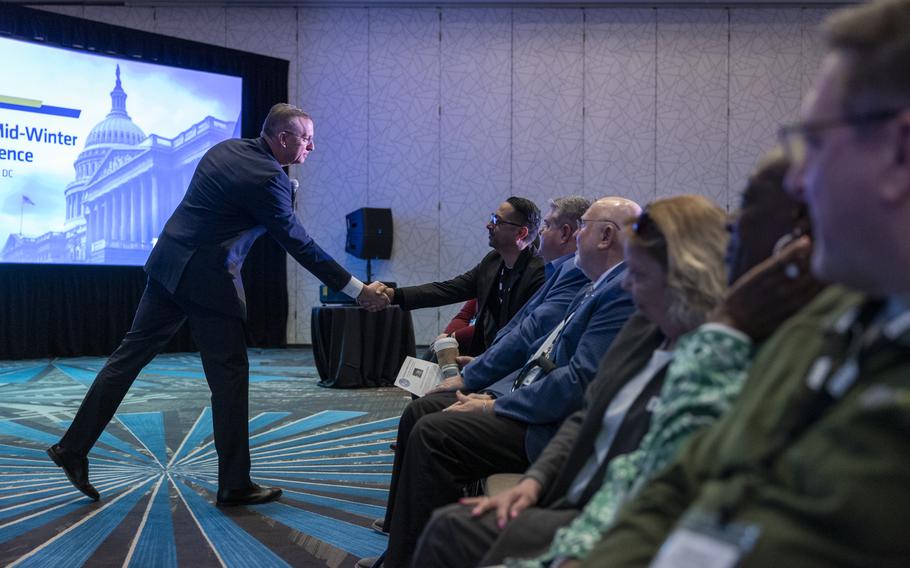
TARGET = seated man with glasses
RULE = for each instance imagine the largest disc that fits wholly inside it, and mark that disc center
(502, 282)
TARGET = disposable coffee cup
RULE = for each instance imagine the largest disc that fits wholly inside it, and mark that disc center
(446, 349)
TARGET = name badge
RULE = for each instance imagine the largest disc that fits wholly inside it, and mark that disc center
(701, 542)
(689, 549)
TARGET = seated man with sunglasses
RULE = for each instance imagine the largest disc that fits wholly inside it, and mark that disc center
(502, 282)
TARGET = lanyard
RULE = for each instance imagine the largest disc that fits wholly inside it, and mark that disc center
(505, 283)
(540, 362)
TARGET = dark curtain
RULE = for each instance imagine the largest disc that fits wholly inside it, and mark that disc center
(67, 310)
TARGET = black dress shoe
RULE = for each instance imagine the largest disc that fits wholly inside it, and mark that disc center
(253, 495)
(76, 469)
(377, 525)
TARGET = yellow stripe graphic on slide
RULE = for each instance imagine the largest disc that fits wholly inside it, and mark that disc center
(20, 101)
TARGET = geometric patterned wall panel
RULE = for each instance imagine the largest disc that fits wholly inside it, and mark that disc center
(194, 23)
(135, 18)
(333, 63)
(620, 98)
(267, 31)
(765, 78)
(404, 144)
(547, 103)
(475, 133)
(692, 102)
(813, 47)
(74, 11)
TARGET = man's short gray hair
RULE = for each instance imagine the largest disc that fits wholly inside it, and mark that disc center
(281, 118)
(569, 209)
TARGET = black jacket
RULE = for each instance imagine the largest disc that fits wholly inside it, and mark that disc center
(481, 282)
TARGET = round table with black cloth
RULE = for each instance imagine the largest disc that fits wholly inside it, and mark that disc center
(356, 348)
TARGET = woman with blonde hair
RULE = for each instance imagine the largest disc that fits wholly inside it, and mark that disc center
(675, 252)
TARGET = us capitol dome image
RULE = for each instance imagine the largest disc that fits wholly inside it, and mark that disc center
(126, 185)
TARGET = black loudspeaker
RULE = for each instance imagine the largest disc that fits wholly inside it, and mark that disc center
(369, 233)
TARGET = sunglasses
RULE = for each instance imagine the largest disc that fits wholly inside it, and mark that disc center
(497, 220)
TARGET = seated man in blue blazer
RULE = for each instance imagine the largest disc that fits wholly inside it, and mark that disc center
(238, 192)
(503, 429)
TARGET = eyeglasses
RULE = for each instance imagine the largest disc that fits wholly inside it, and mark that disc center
(582, 223)
(497, 220)
(306, 140)
(797, 139)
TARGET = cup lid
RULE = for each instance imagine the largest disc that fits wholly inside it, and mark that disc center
(445, 343)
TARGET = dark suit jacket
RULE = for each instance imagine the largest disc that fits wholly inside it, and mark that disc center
(238, 192)
(573, 444)
(481, 282)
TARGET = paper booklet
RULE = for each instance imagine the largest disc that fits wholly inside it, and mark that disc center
(418, 376)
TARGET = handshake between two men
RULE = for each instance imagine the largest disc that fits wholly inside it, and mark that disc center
(375, 297)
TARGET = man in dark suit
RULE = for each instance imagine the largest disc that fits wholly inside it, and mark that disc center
(504, 427)
(238, 192)
(502, 282)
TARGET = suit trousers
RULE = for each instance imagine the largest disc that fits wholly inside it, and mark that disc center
(221, 340)
(442, 452)
(456, 539)
(417, 409)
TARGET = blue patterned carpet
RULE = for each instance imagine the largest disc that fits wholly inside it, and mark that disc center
(155, 467)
